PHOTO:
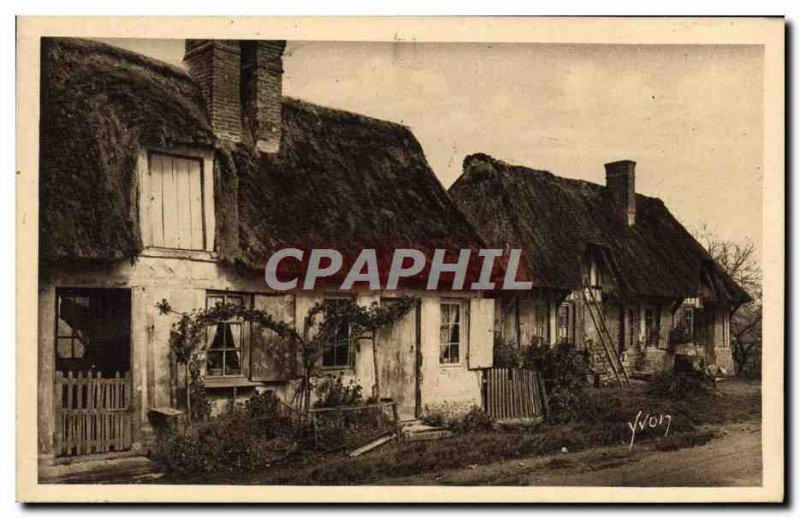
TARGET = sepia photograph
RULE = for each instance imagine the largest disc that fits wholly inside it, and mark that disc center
(307, 261)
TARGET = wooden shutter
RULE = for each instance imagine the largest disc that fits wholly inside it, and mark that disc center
(271, 357)
(173, 198)
(481, 333)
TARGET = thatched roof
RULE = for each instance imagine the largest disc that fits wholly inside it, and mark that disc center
(99, 106)
(340, 179)
(346, 181)
(556, 220)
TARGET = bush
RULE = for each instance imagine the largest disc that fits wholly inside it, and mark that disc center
(476, 420)
(507, 354)
(267, 416)
(695, 383)
(226, 445)
(565, 373)
(331, 393)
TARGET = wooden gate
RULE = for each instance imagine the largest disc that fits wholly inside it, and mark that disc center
(514, 394)
(93, 414)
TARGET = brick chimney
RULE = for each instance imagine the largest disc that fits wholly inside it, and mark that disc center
(261, 94)
(621, 183)
(215, 65)
(242, 84)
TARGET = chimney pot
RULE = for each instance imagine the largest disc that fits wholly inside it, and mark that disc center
(621, 184)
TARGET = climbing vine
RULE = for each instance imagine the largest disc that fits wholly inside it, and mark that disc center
(187, 339)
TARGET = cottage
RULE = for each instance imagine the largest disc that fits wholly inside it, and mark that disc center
(159, 184)
(613, 272)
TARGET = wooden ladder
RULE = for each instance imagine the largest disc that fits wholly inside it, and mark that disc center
(599, 320)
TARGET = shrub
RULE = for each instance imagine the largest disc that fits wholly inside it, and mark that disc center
(332, 392)
(695, 383)
(507, 354)
(565, 373)
(225, 445)
(477, 419)
(268, 417)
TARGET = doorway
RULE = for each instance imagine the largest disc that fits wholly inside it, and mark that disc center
(93, 397)
(398, 363)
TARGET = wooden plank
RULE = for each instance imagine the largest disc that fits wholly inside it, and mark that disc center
(196, 204)
(183, 208)
(170, 184)
(157, 199)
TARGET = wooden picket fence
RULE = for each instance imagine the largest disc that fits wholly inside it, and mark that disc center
(93, 414)
(511, 394)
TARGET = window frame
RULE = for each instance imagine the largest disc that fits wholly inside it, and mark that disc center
(243, 350)
(351, 356)
(463, 332)
(570, 323)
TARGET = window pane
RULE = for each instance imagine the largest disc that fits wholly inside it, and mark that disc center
(329, 356)
(455, 332)
(213, 300)
(221, 335)
(454, 352)
(232, 363)
(64, 329)
(64, 348)
(235, 300)
(444, 352)
(234, 339)
(214, 362)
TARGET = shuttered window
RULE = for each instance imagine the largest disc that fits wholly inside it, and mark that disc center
(173, 197)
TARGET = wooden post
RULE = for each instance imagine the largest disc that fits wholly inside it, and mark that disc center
(59, 413)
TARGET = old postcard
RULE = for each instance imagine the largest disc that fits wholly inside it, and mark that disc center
(400, 260)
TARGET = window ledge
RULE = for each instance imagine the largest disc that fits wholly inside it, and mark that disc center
(343, 369)
(176, 253)
(451, 365)
(212, 383)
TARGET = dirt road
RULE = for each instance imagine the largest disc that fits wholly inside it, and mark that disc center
(732, 459)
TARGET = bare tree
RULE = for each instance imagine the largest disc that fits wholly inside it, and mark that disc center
(738, 259)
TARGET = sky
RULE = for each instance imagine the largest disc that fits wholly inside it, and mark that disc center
(691, 116)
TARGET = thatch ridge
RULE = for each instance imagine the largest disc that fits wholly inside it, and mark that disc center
(556, 219)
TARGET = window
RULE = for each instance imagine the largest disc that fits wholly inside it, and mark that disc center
(451, 332)
(93, 330)
(69, 340)
(565, 323)
(541, 329)
(226, 340)
(172, 194)
(631, 337)
(338, 354)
